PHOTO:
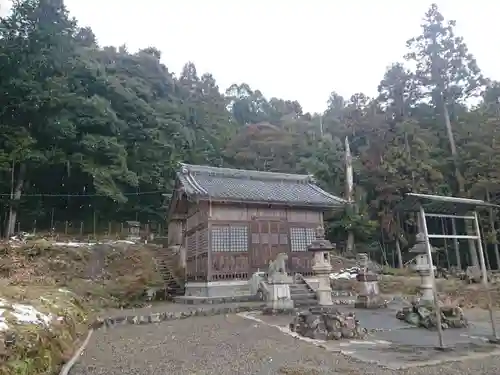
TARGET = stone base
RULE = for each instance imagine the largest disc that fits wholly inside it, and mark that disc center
(219, 289)
(370, 302)
(327, 323)
(324, 297)
(269, 310)
(279, 298)
(281, 304)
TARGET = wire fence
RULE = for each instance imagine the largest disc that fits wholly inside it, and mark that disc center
(82, 215)
(94, 229)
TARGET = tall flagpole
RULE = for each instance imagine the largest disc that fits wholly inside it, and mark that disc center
(349, 194)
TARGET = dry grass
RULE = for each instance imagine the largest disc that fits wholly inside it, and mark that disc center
(103, 276)
(106, 275)
(468, 295)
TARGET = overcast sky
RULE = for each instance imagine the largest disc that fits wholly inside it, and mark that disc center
(294, 49)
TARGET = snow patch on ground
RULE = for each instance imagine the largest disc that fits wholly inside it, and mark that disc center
(345, 274)
(21, 313)
(21, 238)
(90, 244)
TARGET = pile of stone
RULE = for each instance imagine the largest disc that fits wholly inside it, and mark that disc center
(327, 323)
(422, 312)
(424, 315)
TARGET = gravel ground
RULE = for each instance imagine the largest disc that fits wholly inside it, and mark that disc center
(231, 345)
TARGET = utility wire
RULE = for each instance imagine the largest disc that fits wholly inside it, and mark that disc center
(81, 195)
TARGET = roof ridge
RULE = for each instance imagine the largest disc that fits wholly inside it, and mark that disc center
(245, 174)
(238, 185)
(327, 194)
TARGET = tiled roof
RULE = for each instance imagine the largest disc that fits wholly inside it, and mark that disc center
(226, 184)
(438, 204)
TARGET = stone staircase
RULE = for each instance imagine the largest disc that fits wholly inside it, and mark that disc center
(166, 261)
(302, 294)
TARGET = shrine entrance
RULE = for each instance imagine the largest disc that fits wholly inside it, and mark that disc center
(428, 206)
(268, 238)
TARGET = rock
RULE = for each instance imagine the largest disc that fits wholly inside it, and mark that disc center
(421, 315)
(327, 324)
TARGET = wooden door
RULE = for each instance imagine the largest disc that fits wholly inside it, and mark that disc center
(268, 239)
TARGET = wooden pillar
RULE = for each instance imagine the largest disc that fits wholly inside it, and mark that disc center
(209, 253)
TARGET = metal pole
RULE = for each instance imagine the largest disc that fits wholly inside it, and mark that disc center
(437, 308)
(485, 280)
(456, 245)
(458, 236)
(450, 216)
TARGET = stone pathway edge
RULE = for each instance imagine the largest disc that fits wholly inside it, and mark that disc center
(165, 316)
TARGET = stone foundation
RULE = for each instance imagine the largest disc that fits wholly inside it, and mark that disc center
(151, 318)
(267, 310)
(279, 297)
(368, 302)
(191, 300)
(218, 289)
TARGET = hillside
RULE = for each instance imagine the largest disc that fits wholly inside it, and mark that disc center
(50, 293)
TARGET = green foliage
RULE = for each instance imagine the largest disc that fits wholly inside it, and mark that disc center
(110, 124)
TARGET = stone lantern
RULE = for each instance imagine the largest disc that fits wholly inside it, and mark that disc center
(321, 248)
(423, 268)
(133, 230)
(369, 296)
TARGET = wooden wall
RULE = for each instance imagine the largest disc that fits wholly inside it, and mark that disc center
(268, 234)
(196, 241)
(220, 212)
(175, 231)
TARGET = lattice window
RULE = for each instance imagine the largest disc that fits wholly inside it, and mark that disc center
(229, 238)
(218, 240)
(239, 238)
(300, 238)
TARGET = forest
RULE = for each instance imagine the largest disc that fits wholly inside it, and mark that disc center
(97, 131)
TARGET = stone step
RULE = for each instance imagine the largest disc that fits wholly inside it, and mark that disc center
(164, 268)
(299, 288)
(305, 302)
(301, 292)
(301, 296)
(162, 262)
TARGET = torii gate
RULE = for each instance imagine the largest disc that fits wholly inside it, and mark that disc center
(451, 208)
